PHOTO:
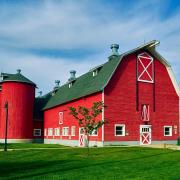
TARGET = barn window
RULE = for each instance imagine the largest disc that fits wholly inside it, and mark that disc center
(95, 72)
(119, 130)
(70, 84)
(45, 132)
(73, 128)
(56, 131)
(145, 112)
(61, 116)
(65, 131)
(37, 132)
(94, 132)
(145, 68)
(167, 130)
(50, 131)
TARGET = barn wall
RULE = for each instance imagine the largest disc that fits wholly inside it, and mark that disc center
(51, 120)
(20, 97)
(120, 98)
(38, 124)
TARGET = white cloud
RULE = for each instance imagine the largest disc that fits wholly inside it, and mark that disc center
(81, 25)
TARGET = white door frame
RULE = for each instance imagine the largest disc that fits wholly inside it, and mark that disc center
(81, 138)
(148, 136)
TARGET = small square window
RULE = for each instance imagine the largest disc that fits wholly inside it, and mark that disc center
(120, 130)
(167, 130)
(37, 132)
(70, 84)
(95, 72)
(73, 128)
(56, 131)
(50, 131)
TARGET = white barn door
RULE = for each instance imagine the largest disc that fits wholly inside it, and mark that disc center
(145, 134)
(81, 137)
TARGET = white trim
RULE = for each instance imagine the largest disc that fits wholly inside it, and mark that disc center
(173, 80)
(103, 116)
(123, 129)
(36, 130)
(170, 130)
(145, 68)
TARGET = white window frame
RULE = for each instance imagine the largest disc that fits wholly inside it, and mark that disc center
(170, 132)
(93, 132)
(61, 117)
(95, 72)
(56, 132)
(50, 129)
(73, 132)
(70, 84)
(63, 131)
(37, 130)
(124, 129)
(45, 132)
(145, 68)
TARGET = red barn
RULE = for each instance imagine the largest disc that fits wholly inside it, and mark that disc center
(141, 97)
(138, 89)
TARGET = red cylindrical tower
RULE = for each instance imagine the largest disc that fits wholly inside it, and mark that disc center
(19, 92)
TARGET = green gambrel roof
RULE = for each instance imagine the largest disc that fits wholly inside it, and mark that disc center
(18, 77)
(84, 85)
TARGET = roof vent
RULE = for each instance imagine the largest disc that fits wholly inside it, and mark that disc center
(40, 93)
(18, 71)
(57, 82)
(72, 75)
(115, 48)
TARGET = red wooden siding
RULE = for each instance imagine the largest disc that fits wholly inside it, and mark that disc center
(121, 97)
(20, 98)
(51, 119)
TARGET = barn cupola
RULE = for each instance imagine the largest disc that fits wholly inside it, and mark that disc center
(56, 87)
(114, 52)
(72, 77)
(114, 48)
(18, 71)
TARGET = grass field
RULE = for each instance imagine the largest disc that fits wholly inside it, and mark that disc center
(103, 163)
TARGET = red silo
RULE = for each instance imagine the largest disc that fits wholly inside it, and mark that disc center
(19, 93)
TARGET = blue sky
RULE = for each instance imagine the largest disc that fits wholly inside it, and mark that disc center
(48, 38)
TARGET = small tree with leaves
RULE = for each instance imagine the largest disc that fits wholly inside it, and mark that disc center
(88, 118)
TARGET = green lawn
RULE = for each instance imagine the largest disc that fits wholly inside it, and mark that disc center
(103, 163)
(29, 145)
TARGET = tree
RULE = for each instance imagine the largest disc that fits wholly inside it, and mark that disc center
(88, 118)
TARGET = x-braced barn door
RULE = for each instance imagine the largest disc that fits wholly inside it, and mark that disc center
(81, 137)
(145, 134)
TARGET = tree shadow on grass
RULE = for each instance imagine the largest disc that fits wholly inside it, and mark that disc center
(22, 170)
